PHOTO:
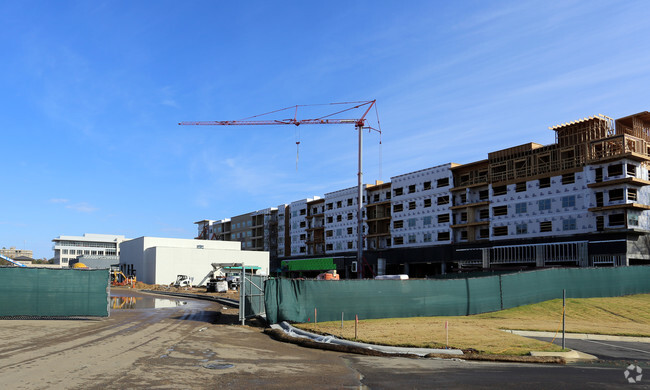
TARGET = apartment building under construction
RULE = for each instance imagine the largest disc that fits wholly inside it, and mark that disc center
(581, 201)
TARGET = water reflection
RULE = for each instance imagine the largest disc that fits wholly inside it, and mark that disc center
(124, 303)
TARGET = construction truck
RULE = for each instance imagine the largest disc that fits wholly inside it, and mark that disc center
(222, 278)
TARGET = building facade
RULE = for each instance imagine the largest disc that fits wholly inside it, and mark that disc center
(14, 253)
(581, 201)
(68, 249)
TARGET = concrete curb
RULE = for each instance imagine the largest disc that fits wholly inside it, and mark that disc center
(569, 357)
(295, 332)
(579, 336)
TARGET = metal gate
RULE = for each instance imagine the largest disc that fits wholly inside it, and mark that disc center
(251, 296)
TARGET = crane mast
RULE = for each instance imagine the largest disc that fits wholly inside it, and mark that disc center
(359, 124)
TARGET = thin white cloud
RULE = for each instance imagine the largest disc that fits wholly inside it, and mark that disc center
(81, 207)
(59, 200)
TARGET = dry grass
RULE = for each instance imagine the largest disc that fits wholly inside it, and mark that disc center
(628, 315)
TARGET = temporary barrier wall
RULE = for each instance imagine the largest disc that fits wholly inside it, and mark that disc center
(302, 300)
(47, 292)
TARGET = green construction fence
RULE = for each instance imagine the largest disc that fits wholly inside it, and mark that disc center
(298, 300)
(47, 292)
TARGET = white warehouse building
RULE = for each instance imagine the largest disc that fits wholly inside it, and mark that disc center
(157, 260)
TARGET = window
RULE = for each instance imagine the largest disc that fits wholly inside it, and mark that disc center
(411, 188)
(339, 218)
(398, 224)
(64, 251)
(444, 182)
(426, 220)
(330, 219)
(545, 182)
(411, 238)
(339, 232)
(569, 201)
(329, 233)
(329, 247)
(427, 203)
(500, 210)
(427, 185)
(375, 198)
(388, 194)
(349, 201)
(443, 236)
(631, 169)
(600, 223)
(617, 220)
(350, 245)
(569, 224)
(330, 206)
(302, 237)
(399, 240)
(631, 194)
(427, 237)
(349, 216)
(633, 220)
(349, 230)
(463, 217)
(500, 190)
(546, 226)
(568, 178)
(483, 195)
(398, 207)
(443, 218)
(615, 194)
(302, 212)
(484, 214)
(398, 191)
(544, 204)
(599, 175)
(615, 170)
(520, 208)
(484, 233)
(520, 187)
(443, 199)
(463, 235)
(411, 205)
(411, 222)
(303, 224)
(522, 229)
(500, 231)
(463, 198)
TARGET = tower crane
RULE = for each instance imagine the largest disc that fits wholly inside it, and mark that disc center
(359, 124)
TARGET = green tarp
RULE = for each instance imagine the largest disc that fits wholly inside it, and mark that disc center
(46, 292)
(323, 264)
(295, 300)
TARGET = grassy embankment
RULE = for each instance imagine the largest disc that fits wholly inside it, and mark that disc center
(628, 316)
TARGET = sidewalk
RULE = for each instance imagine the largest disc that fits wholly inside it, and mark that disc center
(579, 336)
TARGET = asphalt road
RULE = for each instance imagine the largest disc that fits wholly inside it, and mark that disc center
(609, 350)
(180, 343)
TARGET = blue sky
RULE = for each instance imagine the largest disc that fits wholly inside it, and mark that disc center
(91, 93)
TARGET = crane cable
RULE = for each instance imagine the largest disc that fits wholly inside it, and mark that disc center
(297, 146)
(380, 144)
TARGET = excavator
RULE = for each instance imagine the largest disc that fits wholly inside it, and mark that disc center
(119, 279)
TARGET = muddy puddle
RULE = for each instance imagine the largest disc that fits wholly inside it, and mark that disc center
(143, 302)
